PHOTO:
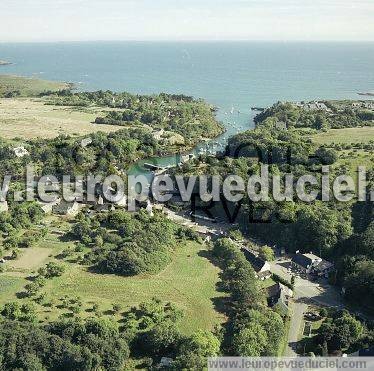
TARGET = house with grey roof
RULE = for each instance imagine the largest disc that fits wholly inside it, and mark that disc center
(316, 106)
(20, 151)
(86, 142)
(278, 297)
(323, 268)
(305, 262)
(261, 267)
(312, 264)
(47, 207)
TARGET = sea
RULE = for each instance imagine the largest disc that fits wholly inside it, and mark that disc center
(233, 76)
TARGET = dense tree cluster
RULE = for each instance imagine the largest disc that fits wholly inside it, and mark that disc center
(152, 331)
(15, 227)
(253, 329)
(129, 244)
(340, 115)
(356, 267)
(149, 331)
(340, 331)
(192, 119)
(317, 226)
(68, 345)
(272, 146)
(105, 154)
(20, 215)
(306, 226)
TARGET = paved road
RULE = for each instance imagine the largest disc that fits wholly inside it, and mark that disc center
(305, 293)
(200, 225)
(297, 319)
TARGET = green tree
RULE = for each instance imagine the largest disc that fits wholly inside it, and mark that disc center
(327, 156)
(11, 311)
(195, 350)
(162, 339)
(341, 331)
(267, 253)
(251, 341)
(32, 289)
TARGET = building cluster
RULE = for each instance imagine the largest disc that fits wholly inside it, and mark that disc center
(364, 105)
(313, 106)
(277, 295)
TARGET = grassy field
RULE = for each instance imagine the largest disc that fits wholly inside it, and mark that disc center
(189, 282)
(17, 271)
(349, 159)
(9, 286)
(345, 136)
(267, 283)
(28, 118)
(28, 86)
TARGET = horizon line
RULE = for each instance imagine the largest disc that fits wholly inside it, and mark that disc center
(184, 40)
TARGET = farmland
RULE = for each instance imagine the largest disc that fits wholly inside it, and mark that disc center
(345, 136)
(29, 118)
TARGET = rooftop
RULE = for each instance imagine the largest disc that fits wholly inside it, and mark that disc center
(305, 260)
(256, 262)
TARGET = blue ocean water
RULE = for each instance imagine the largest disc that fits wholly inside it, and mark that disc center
(231, 75)
(225, 73)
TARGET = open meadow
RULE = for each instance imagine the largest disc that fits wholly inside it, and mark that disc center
(352, 147)
(345, 136)
(29, 118)
(25, 115)
(189, 281)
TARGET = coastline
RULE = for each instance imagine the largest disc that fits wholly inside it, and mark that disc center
(29, 86)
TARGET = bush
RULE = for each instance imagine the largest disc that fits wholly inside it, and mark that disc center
(51, 270)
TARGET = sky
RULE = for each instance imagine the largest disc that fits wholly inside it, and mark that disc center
(286, 20)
